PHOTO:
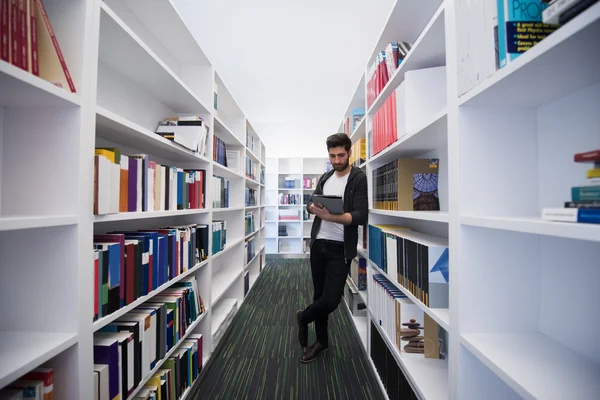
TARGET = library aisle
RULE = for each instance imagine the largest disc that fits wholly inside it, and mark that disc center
(259, 356)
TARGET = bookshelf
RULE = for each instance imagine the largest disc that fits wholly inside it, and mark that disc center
(506, 142)
(133, 63)
(286, 237)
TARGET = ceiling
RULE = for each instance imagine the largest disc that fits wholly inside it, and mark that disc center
(291, 65)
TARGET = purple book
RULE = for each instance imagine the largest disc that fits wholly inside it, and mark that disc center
(132, 185)
(106, 352)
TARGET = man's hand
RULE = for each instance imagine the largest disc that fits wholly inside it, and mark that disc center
(321, 211)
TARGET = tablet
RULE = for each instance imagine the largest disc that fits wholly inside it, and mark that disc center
(334, 204)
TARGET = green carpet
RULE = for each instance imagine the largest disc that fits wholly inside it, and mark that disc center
(259, 356)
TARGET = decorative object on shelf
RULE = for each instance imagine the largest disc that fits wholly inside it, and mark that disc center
(411, 334)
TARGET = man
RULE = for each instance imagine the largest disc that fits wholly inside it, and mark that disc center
(333, 241)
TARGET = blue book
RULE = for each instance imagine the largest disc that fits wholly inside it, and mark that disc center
(520, 27)
(154, 257)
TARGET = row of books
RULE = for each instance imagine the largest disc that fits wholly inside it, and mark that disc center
(362, 237)
(406, 325)
(220, 151)
(392, 376)
(250, 247)
(190, 132)
(417, 261)
(289, 199)
(288, 182)
(352, 121)
(407, 184)
(219, 232)
(134, 183)
(128, 349)
(234, 160)
(309, 183)
(419, 98)
(36, 384)
(250, 197)
(249, 222)
(130, 264)
(584, 205)
(358, 272)
(383, 68)
(251, 142)
(359, 153)
(221, 190)
(289, 215)
(486, 32)
(253, 169)
(27, 41)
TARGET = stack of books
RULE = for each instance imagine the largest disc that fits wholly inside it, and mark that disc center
(562, 11)
(585, 200)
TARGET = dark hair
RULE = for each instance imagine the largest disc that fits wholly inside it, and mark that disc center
(339, 139)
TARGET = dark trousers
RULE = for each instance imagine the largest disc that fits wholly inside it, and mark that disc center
(329, 272)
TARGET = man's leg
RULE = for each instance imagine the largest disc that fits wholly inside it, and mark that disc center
(317, 267)
(336, 293)
(336, 272)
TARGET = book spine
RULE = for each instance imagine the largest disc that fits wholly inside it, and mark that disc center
(15, 39)
(56, 46)
(22, 32)
(4, 30)
(585, 193)
(589, 156)
(33, 51)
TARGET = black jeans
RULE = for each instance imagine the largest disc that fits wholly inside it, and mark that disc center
(329, 272)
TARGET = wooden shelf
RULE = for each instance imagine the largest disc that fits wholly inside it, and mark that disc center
(543, 63)
(537, 226)
(117, 129)
(13, 223)
(130, 216)
(22, 351)
(536, 366)
(125, 52)
(22, 89)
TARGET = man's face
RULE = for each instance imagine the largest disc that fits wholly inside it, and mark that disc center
(339, 158)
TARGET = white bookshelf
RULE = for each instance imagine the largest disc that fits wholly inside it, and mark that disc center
(506, 149)
(133, 63)
(296, 169)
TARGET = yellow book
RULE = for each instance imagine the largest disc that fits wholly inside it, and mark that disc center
(593, 173)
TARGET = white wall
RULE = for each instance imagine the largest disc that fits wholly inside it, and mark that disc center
(292, 66)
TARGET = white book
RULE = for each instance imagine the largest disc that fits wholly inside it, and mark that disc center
(103, 387)
(554, 10)
(103, 194)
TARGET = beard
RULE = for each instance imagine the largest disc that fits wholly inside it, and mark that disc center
(341, 167)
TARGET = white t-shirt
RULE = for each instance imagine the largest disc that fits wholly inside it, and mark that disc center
(334, 186)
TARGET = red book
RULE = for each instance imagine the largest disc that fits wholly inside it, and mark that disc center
(96, 286)
(4, 29)
(589, 156)
(15, 38)
(129, 273)
(22, 32)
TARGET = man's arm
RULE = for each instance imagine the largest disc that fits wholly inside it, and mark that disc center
(361, 203)
(316, 191)
(361, 207)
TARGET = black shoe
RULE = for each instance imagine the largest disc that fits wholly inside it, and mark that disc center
(312, 352)
(302, 330)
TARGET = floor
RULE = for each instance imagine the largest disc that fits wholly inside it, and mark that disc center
(259, 356)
